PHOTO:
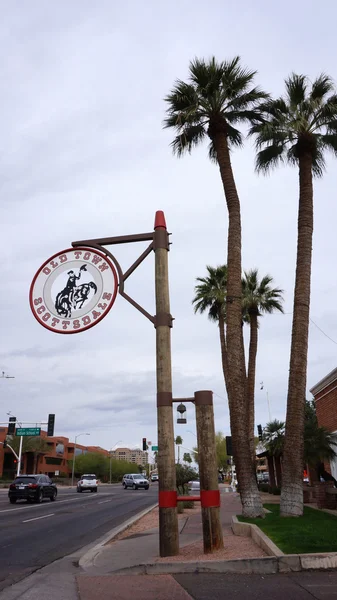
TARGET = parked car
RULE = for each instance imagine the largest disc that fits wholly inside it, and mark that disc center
(194, 486)
(89, 482)
(154, 477)
(263, 477)
(135, 481)
(33, 488)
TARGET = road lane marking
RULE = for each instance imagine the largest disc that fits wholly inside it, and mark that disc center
(37, 518)
(104, 501)
(39, 505)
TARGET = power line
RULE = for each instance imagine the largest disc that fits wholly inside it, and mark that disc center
(321, 330)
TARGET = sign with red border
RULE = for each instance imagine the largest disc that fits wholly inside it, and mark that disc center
(73, 290)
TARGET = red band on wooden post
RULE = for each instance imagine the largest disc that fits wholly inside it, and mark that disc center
(188, 498)
(167, 499)
(210, 498)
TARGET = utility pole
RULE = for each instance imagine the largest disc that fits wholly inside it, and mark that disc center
(211, 523)
(74, 457)
(168, 518)
(20, 457)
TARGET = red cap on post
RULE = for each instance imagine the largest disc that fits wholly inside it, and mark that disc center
(159, 220)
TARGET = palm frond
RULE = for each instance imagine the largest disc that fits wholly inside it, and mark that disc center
(329, 141)
(296, 87)
(210, 293)
(268, 158)
(259, 296)
(322, 86)
(190, 137)
(234, 136)
(216, 97)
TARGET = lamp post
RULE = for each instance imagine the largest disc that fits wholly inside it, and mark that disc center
(73, 471)
(119, 441)
(188, 431)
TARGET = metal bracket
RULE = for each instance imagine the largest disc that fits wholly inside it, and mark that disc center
(159, 239)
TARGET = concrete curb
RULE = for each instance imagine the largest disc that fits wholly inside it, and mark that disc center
(88, 559)
(260, 538)
(288, 563)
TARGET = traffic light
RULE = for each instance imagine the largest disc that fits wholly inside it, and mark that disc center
(259, 431)
(229, 445)
(144, 445)
(4, 445)
(11, 426)
(51, 423)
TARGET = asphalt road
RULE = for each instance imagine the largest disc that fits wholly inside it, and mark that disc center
(34, 535)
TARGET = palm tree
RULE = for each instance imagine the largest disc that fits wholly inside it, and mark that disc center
(319, 444)
(218, 97)
(273, 437)
(210, 294)
(38, 446)
(258, 297)
(187, 458)
(178, 442)
(297, 129)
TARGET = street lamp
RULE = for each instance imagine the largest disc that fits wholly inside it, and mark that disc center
(188, 431)
(119, 441)
(73, 471)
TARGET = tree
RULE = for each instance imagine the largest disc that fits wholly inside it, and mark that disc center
(258, 297)
(221, 451)
(37, 445)
(319, 444)
(185, 474)
(178, 442)
(297, 129)
(99, 463)
(187, 458)
(92, 462)
(273, 437)
(218, 97)
(210, 294)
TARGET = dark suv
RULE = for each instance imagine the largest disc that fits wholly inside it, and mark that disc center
(32, 488)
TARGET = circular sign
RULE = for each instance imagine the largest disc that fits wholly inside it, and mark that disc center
(73, 290)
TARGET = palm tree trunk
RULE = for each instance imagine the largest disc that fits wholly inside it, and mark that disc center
(250, 497)
(291, 503)
(251, 382)
(224, 357)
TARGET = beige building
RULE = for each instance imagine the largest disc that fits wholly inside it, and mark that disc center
(136, 456)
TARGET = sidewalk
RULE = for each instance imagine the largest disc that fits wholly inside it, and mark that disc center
(108, 570)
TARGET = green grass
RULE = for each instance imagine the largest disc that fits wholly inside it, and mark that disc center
(315, 531)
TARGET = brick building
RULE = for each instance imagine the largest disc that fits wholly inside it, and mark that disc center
(136, 456)
(55, 461)
(325, 395)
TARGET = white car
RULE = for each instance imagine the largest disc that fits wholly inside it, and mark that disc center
(194, 486)
(89, 482)
(135, 481)
(154, 477)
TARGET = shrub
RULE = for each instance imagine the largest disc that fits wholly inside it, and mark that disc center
(184, 491)
(264, 487)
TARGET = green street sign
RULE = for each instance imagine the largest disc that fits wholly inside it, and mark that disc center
(154, 448)
(28, 431)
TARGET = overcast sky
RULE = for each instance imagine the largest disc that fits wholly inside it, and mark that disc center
(83, 155)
